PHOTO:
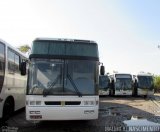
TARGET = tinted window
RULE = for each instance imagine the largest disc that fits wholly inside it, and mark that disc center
(123, 83)
(65, 48)
(62, 77)
(145, 81)
(1, 58)
(2, 64)
(10, 61)
(16, 63)
(104, 82)
(13, 61)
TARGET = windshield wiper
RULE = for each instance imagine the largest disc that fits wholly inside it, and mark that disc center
(46, 91)
(54, 82)
(74, 85)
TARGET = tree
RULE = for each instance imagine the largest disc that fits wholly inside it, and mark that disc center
(24, 48)
(157, 83)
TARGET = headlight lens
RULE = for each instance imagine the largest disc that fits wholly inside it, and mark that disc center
(34, 102)
(38, 102)
(89, 102)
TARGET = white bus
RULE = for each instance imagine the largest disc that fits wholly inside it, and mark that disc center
(13, 80)
(63, 80)
(104, 85)
(121, 84)
(144, 84)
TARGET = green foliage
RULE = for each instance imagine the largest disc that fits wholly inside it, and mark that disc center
(157, 83)
(24, 48)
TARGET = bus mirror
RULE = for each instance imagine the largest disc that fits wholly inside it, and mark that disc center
(23, 68)
(102, 70)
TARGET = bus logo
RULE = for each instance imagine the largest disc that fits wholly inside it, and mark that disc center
(62, 103)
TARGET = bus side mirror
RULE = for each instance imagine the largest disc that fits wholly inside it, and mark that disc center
(23, 68)
(102, 70)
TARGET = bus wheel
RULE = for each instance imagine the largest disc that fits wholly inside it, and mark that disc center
(145, 96)
(8, 109)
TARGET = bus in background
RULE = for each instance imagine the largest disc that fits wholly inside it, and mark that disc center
(144, 84)
(121, 84)
(104, 85)
(63, 80)
(13, 80)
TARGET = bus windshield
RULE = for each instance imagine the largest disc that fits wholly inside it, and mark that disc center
(104, 82)
(62, 77)
(145, 81)
(123, 83)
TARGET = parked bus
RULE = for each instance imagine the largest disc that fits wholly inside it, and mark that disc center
(121, 84)
(13, 80)
(144, 84)
(63, 80)
(104, 85)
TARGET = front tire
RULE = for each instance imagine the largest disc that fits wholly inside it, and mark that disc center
(8, 109)
(145, 96)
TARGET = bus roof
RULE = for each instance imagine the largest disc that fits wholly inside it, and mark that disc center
(64, 40)
(10, 46)
(64, 49)
(144, 74)
(123, 75)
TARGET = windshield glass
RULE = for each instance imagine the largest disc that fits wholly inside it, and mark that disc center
(145, 81)
(123, 83)
(62, 77)
(103, 82)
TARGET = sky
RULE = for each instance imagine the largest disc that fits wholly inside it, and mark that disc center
(127, 31)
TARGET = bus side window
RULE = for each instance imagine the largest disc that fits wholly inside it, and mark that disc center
(2, 64)
(16, 58)
(13, 62)
(1, 59)
(10, 61)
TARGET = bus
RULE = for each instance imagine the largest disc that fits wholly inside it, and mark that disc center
(13, 80)
(63, 80)
(104, 85)
(121, 84)
(144, 84)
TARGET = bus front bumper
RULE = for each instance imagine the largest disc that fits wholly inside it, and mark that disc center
(103, 92)
(123, 92)
(61, 113)
(143, 91)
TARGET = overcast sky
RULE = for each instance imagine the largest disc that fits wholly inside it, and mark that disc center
(127, 31)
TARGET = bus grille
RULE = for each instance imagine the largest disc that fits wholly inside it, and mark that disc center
(62, 102)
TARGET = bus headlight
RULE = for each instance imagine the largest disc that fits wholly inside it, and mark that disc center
(38, 102)
(89, 102)
(34, 102)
